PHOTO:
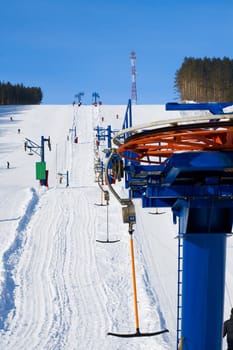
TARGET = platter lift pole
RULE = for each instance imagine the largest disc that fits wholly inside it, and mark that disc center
(106, 198)
(129, 216)
(187, 164)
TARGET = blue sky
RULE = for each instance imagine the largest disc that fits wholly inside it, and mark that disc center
(72, 46)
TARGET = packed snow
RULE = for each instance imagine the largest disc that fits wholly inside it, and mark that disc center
(61, 288)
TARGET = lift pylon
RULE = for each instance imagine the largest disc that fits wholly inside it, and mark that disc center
(107, 198)
(187, 164)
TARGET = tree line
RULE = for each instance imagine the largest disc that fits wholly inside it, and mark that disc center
(19, 94)
(205, 80)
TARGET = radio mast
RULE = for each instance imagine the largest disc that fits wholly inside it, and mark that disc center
(133, 72)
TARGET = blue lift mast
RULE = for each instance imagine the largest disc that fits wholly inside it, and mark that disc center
(198, 186)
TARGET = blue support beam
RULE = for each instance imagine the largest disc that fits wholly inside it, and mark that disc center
(105, 134)
(204, 228)
(200, 175)
(203, 284)
(127, 123)
(214, 108)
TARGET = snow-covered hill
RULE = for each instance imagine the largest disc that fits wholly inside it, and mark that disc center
(60, 288)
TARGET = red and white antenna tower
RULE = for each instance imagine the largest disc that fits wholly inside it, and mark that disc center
(133, 70)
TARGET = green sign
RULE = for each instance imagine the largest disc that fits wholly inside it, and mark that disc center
(40, 170)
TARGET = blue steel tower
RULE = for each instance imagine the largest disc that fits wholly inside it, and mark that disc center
(187, 165)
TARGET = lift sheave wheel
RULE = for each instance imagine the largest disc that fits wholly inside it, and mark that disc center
(155, 146)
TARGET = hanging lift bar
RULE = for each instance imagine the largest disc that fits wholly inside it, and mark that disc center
(107, 198)
(129, 216)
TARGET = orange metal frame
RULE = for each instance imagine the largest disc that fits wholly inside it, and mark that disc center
(155, 146)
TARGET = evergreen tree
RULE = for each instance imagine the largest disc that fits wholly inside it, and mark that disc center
(205, 80)
(19, 94)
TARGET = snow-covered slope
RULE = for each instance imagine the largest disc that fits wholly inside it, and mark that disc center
(60, 288)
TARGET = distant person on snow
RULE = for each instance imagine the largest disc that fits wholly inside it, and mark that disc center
(7, 165)
(228, 331)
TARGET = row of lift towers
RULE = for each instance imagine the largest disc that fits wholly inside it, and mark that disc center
(187, 165)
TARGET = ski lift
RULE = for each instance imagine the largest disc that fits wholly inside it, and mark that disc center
(30, 153)
(106, 197)
(117, 169)
(129, 216)
(102, 192)
(129, 212)
(157, 212)
(49, 144)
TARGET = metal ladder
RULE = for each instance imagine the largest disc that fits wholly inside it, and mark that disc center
(179, 288)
